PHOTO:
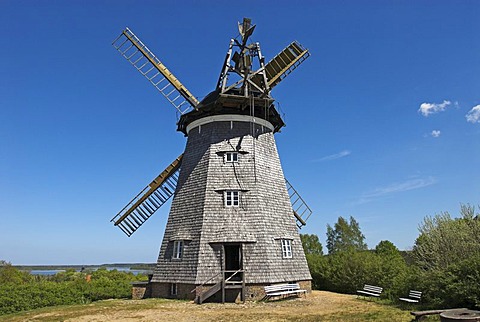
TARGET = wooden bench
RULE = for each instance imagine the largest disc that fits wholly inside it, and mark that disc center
(419, 315)
(370, 290)
(413, 297)
(283, 290)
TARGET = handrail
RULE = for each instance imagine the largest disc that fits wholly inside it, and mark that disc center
(240, 270)
(211, 278)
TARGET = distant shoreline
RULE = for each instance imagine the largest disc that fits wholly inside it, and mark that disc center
(146, 266)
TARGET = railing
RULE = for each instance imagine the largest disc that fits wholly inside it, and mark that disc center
(234, 273)
(221, 285)
(226, 279)
(203, 284)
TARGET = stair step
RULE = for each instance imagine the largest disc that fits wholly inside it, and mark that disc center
(211, 291)
(233, 286)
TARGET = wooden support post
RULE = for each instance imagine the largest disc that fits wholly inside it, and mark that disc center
(223, 273)
(223, 288)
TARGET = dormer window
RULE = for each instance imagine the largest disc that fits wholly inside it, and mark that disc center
(178, 249)
(231, 157)
(232, 198)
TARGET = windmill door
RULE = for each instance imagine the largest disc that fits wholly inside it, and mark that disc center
(233, 262)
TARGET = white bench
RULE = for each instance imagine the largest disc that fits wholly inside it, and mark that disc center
(283, 290)
(413, 297)
(370, 290)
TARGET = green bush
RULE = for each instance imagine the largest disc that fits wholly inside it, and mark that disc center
(347, 271)
(9, 274)
(317, 265)
(21, 291)
(444, 263)
(20, 297)
(456, 286)
(447, 255)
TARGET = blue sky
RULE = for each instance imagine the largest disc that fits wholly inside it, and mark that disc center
(382, 119)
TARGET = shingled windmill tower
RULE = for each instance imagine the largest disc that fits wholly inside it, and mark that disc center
(234, 219)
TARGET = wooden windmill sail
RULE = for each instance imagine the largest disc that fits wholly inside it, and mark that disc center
(233, 222)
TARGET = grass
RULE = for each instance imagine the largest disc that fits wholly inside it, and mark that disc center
(318, 306)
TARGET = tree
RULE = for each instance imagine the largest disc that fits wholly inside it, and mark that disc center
(393, 271)
(346, 271)
(345, 236)
(444, 241)
(314, 253)
(387, 248)
(447, 254)
(311, 244)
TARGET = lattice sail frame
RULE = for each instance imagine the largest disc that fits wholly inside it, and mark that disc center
(149, 200)
(301, 210)
(138, 54)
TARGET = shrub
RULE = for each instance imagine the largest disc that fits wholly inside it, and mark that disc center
(21, 291)
(347, 271)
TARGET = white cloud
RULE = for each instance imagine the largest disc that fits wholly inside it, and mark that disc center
(410, 184)
(473, 116)
(431, 108)
(335, 156)
(436, 133)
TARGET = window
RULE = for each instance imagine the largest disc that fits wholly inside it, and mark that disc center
(286, 248)
(231, 156)
(178, 249)
(173, 289)
(232, 198)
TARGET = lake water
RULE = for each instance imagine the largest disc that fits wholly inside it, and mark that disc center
(46, 272)
(120, 269)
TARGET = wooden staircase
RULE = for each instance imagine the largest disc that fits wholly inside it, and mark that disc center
(222, 285)
(208, 293)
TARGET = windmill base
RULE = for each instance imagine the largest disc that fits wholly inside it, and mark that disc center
(253, 292)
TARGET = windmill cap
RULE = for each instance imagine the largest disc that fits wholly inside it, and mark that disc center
(216, 103)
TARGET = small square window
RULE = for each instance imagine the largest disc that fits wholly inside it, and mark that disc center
(232, 198)
(286, 248)
(173, 289)
(231, 156)
(178, 249)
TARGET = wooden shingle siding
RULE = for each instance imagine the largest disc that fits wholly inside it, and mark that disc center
(262, 219)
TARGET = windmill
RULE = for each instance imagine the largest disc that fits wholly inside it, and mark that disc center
(234, 219)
